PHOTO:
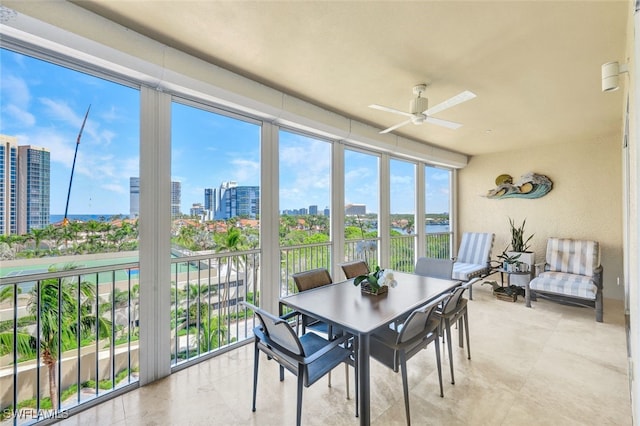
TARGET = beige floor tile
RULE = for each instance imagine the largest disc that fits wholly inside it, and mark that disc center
(548, 365)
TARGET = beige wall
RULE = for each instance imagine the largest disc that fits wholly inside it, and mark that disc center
(585, 202)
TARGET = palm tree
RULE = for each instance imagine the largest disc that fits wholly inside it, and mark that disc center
(230, 242)
(62, 322)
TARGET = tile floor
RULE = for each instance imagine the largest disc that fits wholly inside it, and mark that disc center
(549, 365)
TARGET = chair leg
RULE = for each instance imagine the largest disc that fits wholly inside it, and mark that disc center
(405, 385)
(439, 364)
(355, 371)
(256, 358)
(346, 375)
(281, 373)
(465, 317)
(299, 398)
(460, 331)
(448, 331)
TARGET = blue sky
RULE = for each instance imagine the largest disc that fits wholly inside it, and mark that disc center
(44, 105)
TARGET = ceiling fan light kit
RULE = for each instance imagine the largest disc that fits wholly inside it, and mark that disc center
(419, 110)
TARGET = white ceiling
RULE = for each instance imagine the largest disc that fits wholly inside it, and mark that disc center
(535, 65)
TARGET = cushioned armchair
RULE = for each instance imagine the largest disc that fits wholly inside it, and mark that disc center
(571, 274)
(474, 257)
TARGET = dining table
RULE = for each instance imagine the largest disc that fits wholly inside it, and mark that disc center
(344, 305)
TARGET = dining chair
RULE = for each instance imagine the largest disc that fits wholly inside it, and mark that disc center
(311, 279)
(306, 281)
(355, 268)
(394, 346)
(308, 357)
(453, 310)
(432, 267)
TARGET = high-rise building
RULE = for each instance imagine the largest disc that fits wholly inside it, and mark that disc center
(176, 198)
(313, 210)
(34, 186)
(8, 185)
(234, 200)
(134, 197)
(210, 201)
(326, 211)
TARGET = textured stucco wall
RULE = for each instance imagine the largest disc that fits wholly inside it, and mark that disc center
(585, 202)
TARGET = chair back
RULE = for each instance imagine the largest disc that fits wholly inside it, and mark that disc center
(311, 279)
(578, 257)
(475, 248)
(278, 331)
(417, 323)
(355, 268)
(451, 304)
(432, 267)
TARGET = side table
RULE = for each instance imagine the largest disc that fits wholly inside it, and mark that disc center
(527, 298)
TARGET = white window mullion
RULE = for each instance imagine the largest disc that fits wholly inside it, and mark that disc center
(155, 238)
(384, 209)
(337, 207)
(421, 226)
(269, 219)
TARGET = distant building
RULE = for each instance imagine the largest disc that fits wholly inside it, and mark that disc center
(209, 202)
(197, 209)
(34, 188)
(313, 210)
(134, 197)
(176, 197)
(355, 209)
(234, 200)
(326, 211)
(8, 185)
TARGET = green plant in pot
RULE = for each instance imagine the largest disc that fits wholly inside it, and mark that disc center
(518, 242)
(520, 253)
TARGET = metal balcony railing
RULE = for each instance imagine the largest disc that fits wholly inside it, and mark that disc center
(66, 337)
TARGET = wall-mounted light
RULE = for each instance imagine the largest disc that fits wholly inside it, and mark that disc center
(610, 73)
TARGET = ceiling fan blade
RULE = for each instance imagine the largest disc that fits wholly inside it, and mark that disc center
(444, 123)
(396, 126)
(388, 109)
(457, 99)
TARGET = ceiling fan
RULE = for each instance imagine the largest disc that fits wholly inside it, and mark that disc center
(420, 111)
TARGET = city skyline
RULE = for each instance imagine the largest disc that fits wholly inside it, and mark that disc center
(44, 105)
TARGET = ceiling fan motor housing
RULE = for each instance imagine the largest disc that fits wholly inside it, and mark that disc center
(418, 105)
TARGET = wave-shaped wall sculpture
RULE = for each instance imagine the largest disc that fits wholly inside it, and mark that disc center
(530, 185)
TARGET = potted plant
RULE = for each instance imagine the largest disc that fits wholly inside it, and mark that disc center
(375, 282)
(520, 251)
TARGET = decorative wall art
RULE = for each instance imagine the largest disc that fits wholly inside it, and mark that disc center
(530, 185)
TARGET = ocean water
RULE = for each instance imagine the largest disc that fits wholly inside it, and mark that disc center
(55, 218)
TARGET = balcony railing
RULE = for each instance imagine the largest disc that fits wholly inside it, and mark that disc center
(206, 291)
(403, 248)
(66, 338)
(294, 259)
(438, 245)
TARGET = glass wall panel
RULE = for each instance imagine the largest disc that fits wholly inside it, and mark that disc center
(69, 144)
(362, 204)
(305, 205)
(437, 208)
(403, 215)
(215, 226)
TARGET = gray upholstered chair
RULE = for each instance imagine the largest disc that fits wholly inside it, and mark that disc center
(355, 268)
(474, 257)
(571, 274)
(394, 346)
(432, 267)
(309, 357)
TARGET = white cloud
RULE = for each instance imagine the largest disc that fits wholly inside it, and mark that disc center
(112, 187)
